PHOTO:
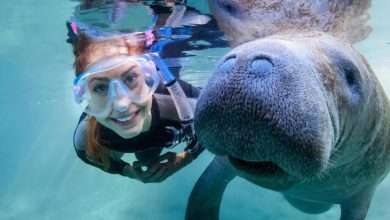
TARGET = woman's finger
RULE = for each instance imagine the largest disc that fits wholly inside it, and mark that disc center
(136, 173)
(167, 156)
(159, 175)
(151, 170)
(141, 163)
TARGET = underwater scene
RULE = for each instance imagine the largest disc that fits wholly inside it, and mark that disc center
(42, 176)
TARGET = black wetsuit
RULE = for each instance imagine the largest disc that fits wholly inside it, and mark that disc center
(149, 144)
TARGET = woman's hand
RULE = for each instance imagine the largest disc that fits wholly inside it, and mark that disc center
(158, 170)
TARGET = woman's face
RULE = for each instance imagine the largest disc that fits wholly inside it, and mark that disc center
(129, 123)
(126, 117)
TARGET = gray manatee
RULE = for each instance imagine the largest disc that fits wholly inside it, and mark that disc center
(246, 20)
(302, 114)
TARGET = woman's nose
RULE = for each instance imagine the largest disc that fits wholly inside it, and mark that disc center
(121, 103)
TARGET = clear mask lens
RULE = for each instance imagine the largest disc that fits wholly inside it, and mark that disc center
(132, 77)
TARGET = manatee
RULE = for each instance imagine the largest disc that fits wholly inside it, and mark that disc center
(246, 20)
(302, 114)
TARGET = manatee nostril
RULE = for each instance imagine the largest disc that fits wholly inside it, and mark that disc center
(261, 65)
(229, 63)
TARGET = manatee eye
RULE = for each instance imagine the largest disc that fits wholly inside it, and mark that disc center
(228, 7)
(351, 76)
(352, 79)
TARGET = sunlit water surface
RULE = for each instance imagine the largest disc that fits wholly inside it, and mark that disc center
(41, 177)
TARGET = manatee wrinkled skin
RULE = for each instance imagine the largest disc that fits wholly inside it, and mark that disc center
(246, 20)
(301, 114)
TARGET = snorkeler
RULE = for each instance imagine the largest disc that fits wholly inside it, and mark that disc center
(127, 108)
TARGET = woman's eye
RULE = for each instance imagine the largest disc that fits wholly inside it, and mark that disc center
(100, 89)
(130, 79)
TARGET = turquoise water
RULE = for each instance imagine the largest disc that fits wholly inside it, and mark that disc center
(41, 177)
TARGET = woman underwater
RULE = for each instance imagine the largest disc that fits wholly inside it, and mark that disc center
(127, 109)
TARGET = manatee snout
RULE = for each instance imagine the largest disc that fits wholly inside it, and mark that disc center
(265, 107)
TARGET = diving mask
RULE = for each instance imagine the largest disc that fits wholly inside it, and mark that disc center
(109, 81)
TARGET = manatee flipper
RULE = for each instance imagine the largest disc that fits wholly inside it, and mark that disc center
(356, 207)
(309, 207)
(206, 196)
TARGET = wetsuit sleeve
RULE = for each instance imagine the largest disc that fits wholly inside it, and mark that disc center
(79, 143)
